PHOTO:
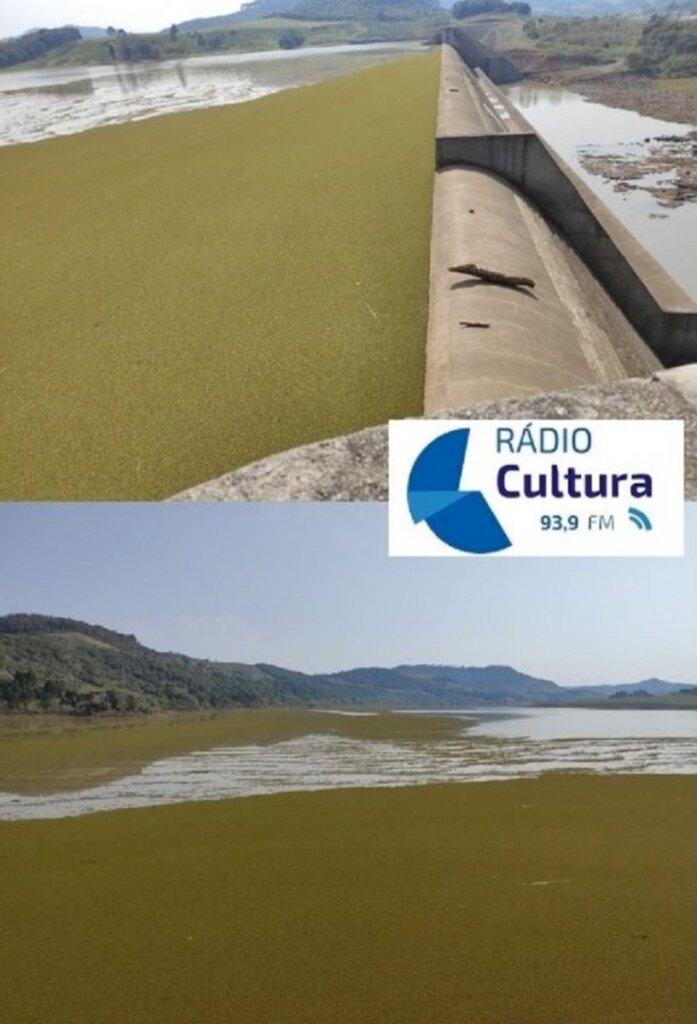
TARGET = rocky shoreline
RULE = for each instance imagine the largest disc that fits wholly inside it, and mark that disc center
(665, 166)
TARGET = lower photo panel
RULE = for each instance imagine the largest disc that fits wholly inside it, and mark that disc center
(254, 771)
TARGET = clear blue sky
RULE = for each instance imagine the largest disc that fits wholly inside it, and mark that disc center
(134, 15)
(311, 587)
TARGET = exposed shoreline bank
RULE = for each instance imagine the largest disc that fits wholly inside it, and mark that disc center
(664, 99)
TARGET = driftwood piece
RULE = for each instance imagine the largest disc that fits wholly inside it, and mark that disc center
(473, 323)
(507, 280)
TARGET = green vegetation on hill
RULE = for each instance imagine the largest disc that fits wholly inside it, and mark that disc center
(583, 40)
(256, 27)
(62, 665)
(472, 8)
(367, 10)
(563, 899)
(662, 46)
(248, 12)
(35, 44)
(246, 37)
(685, 700)
(189, 293)
(50, 664)
(666, 48)
(605, 8)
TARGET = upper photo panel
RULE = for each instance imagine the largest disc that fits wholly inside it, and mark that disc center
(236, 244)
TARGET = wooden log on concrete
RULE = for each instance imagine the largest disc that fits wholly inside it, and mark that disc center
(494, 276)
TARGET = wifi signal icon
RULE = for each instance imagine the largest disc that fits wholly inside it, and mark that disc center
(640, 519)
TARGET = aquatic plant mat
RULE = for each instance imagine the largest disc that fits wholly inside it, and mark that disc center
(566, 898)
(186, 294)
(41, 754)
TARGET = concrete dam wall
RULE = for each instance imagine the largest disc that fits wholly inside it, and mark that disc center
(486, 341)
(475, 54)
(591, 340)
(479, 130)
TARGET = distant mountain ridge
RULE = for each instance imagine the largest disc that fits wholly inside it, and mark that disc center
(53, 663)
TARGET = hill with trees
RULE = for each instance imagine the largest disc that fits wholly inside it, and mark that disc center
(666, 48)
(262, 25)
(52, 664)
(35, 44)
(248, 12)
(366, 10)
(473, 8)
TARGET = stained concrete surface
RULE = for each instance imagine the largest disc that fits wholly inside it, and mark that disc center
(563, 333)
(480, 130)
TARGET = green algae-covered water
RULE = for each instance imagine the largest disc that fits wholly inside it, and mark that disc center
(186, 294)
(565, 898)
(568, 897)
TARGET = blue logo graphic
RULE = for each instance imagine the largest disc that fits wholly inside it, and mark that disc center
(640, 519)
(461, 519)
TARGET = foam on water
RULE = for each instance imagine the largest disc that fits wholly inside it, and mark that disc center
(37, 104)
(319, 761)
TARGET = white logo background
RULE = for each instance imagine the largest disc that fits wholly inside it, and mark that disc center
(619, 446)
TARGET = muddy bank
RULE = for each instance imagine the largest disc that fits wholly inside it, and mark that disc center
(667, 100)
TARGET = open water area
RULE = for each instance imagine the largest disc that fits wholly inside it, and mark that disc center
(575, 126)
(41, 103)
(491, 745)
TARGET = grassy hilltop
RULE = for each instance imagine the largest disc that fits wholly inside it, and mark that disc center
(192, 292)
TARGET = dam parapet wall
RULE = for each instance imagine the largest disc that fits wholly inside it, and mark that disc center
(661, 312)
(496, 66)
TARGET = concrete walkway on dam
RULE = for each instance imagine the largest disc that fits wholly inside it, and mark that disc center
(605, 333)
(565, 332)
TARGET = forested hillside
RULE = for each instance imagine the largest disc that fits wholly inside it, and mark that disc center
(35, 44)
(667, 48)
(71, 667)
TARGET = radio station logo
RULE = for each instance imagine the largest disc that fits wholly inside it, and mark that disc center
(605, 487)
(462, 519)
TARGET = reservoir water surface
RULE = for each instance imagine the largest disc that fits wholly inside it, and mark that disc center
(40, 103)
(491, 744)
(571, 125)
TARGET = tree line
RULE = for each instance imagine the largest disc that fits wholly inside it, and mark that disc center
(23, 691)
(667, 48)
